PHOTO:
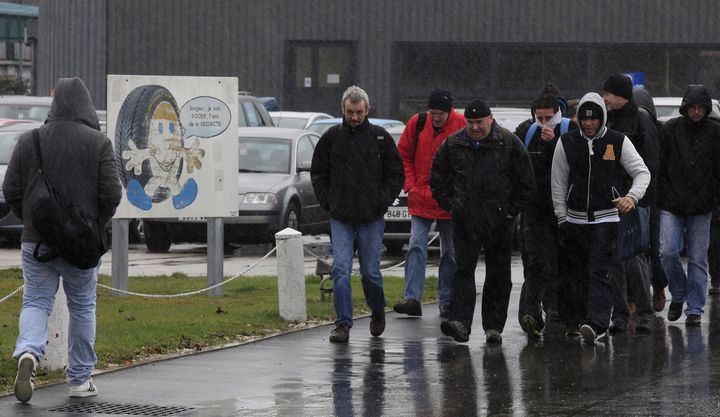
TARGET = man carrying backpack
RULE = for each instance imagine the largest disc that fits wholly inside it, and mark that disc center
(538, 224)
(418, 144)
(79, 163)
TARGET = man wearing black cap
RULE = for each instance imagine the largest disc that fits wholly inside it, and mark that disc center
(588, 183)
(633, 278)
(418, 144)
(483, 176)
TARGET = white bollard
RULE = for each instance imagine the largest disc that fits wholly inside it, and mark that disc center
(292, 300)
(56, 352)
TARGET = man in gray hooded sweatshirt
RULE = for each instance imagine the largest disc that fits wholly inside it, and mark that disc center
(588, 191)
(78, 160)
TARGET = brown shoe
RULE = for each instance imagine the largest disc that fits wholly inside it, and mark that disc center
(658, 299)
(377, 323)
(340, 334)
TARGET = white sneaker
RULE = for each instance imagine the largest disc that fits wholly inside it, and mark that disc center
(25, 379)
(86, 389)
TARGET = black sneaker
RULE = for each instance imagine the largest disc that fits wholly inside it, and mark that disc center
(530, 326)
(409, 306)
(456, 330)
(377, 323)
(674, 311)
(693, 320)
(589, 335)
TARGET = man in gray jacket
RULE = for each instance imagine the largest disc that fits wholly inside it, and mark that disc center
(588, 191)
(78, 160)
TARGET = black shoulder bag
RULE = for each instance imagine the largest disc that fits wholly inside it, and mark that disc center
(63, 227)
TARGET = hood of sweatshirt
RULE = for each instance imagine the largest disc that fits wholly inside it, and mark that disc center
(595, 99)
(72, 102)
(696, 94)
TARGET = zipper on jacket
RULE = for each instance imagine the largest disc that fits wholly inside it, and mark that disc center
(587, 201)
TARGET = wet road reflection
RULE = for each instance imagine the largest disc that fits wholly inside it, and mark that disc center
(413, 370)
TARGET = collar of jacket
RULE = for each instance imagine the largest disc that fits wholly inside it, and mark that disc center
(629, 108)
(362, 126)
(492, 138)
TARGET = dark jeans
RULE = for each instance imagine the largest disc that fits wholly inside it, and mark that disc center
(539, 257)
(496, 240)
(714, 250)
(587, 257)
(632, 280)
(657, 273)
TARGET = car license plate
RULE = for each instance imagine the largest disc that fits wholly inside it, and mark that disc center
(397, 213)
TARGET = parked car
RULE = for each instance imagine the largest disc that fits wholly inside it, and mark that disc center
(251, 112)
(320, 126)
(296, 119)
(275, 192)
(669, 107)
(25, 107)
(10, 226)
(270, 103)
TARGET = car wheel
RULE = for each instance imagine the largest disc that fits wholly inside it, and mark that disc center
(292, 217)
(156, 237)
(394, 247)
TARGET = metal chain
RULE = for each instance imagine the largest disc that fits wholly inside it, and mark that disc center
(356, 271)
(2, 300)
(137, 294)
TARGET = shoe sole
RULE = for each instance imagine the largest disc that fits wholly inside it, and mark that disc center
(588, 335)
(23, 384)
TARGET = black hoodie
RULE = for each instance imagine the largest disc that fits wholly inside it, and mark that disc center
(77, 159)
(689, 155)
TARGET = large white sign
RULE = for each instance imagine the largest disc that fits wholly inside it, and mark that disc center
(176, 145)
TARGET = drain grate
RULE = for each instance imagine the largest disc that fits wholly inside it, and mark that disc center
(127, 409)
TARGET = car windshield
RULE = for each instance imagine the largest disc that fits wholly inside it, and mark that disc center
(264, 155)
(320, 128)
(291, 122)
(667, 111)
(7, 144)
(24, 111)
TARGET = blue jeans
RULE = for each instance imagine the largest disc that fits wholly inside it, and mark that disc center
(41, 284)
(416, 260)
(368, 237)
(693, 285)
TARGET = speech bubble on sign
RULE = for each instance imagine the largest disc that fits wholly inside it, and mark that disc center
(204, 117)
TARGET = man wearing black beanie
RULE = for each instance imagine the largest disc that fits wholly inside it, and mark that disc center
(632, 283)
(483, 176)
(422, 137)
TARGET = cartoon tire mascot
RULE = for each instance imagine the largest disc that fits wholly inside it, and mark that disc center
(150, 151)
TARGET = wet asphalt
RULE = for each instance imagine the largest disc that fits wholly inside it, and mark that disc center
(413, 370)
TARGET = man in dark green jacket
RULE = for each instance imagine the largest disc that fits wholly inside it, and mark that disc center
(356, 174)
(483, 175)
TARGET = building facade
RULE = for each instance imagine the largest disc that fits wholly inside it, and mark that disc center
(306, 52)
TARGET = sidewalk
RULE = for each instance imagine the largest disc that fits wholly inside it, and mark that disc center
(413, 370)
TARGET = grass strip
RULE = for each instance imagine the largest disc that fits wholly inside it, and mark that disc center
(133, 329)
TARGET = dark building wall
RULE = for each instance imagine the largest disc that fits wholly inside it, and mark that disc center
(71, 43)
(247, 39)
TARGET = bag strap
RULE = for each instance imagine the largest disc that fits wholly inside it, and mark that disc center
(36, 141)
(52, 253)
(564, 127)
(419, 126)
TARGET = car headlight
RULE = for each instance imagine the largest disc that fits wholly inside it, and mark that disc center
(259, 198)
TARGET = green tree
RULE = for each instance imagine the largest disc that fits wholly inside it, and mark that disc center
(12, 85)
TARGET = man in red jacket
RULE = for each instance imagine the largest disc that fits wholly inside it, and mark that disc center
(423, 135)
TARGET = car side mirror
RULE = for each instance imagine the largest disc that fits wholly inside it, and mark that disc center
(304, 166)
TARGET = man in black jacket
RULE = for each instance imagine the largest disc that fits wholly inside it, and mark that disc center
(79, 162)
(633, 278)
(688, 194)
(538, 224)
(483, 176)
(356, 174)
